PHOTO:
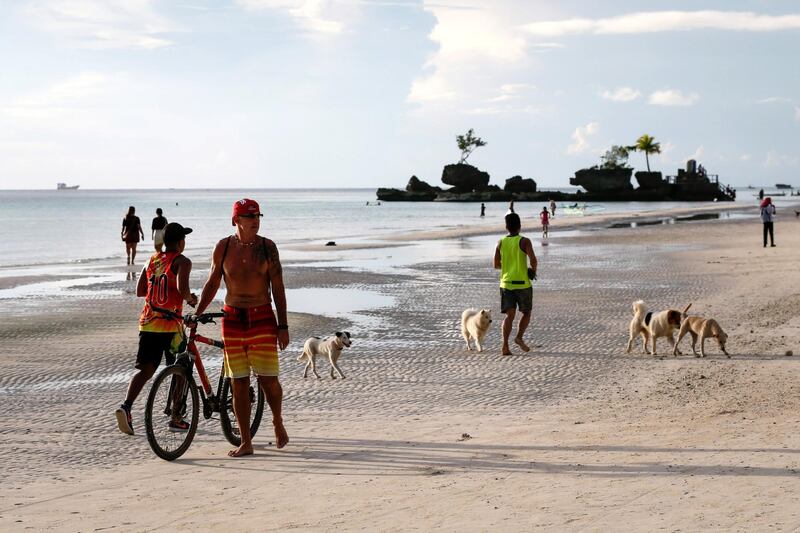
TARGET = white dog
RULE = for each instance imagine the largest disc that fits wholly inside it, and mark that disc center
(331, 346)
(651, 326)
(474, 325)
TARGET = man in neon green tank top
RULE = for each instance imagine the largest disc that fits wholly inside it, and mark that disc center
(511, 257)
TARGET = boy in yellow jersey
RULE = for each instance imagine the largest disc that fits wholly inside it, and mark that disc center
(511, 258)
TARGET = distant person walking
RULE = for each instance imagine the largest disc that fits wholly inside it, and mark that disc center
(761, 194)
(483, 209)
(767, 217)
(511, 258)
(510, 207)
(131, 231)
(552, 208)
(544, 216)
(159, 223)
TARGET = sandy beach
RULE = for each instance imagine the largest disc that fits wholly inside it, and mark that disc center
(573, 436)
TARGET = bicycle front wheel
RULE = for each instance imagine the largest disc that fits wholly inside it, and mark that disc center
(230, 427)
(172, 412)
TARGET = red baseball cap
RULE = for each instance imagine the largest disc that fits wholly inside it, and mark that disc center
(245, 206)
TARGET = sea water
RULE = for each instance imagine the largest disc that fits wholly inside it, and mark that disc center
(43, 230)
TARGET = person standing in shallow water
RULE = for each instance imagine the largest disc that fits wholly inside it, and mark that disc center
(511, 257)
(157, 228)
(552, 208)
(131, 231)
(483, 209)
(250, 266)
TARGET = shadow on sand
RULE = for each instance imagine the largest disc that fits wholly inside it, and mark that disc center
(363, 457)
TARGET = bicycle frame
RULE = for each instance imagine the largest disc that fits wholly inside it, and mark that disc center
(209, 398)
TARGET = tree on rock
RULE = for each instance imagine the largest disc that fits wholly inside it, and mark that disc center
(614, 158)
(468, 143)
(648, 145)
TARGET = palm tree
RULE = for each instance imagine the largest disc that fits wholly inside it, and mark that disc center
(648, 145)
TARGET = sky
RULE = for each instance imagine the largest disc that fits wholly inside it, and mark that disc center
(366, 93)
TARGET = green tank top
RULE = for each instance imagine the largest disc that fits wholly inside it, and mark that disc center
(513, 264)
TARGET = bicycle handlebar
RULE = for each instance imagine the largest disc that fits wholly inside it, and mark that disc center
(203, 318)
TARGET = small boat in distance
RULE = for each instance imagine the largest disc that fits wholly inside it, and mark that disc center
(65, 187)
(782, 186)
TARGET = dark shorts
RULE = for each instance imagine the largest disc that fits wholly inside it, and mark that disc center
(513, 298)
(152, 346)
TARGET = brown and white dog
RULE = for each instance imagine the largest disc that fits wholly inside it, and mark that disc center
(331, 347)
(651, 326)
(702, 328)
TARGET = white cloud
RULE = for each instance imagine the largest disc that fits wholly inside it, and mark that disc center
(547, 46)
(580, 138)
(318, 16)
(745, 157)
(775, 159)
(101, 24)
(511, 91)
(697, 155)
(621, 94)
(669, 97)
(773, 100)
(667, 148)
(78, 92)
(477, 42)
(661, 21)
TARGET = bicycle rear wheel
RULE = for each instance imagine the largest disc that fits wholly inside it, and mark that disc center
(173, 396)
(230, 428)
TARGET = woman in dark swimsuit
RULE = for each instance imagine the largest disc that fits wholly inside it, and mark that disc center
(131, 231)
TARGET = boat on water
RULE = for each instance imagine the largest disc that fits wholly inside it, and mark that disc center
(783, 186)
(65, 187)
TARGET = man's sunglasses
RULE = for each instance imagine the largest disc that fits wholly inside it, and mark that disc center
(251, 215)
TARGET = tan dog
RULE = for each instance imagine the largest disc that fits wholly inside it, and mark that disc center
(651, 326)
(703, 328)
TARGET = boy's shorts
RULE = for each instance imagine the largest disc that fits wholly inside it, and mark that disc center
(152, 345)
(513, 298)
(250, 335)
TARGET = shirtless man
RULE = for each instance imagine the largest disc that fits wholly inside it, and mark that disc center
(250, 265)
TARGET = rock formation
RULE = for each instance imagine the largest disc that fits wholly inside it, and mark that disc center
(464, 178)
(417, 185)
(603, 179)
(518, 184)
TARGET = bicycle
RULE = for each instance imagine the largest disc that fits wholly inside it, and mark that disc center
(174, 398)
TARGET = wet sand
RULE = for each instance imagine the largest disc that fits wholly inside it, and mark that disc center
(575, 435)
